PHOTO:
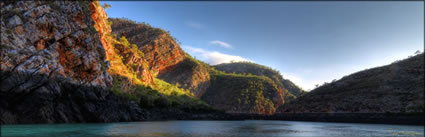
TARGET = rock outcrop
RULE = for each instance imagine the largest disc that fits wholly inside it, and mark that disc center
(164, 56)
(119, 54)
(52, 38)
(394, 88)
(160, 49)
(134, 78)
(53, 66)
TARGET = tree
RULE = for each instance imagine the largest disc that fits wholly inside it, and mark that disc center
(106, 6)
(417, 52)
(124, 41)
(162, 101)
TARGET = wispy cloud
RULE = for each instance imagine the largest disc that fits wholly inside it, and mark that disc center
(221, 44)
(213, 57)
(194, 24)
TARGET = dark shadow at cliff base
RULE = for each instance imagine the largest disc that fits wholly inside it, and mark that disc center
(36, 98)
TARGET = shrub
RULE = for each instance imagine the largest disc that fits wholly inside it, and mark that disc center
(106, 6)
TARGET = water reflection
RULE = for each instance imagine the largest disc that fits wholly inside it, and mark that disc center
(213, 129)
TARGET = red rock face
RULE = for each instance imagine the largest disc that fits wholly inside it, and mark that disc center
(135, 62)
(162, 53)
(52, 38)
(100, 17)
(164, 56)
(131, 59)
(160, 49)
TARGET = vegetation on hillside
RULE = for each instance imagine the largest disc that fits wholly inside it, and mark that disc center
(128, 84)
(248, 68)
(393, 88)
(190, 74)
(243, 93)
(143, 30)
(161, 49)
(159, 94)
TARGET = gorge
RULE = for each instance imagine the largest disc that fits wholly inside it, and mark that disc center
(67, 62)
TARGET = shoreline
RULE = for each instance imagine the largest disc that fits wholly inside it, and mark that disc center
(369, 118)
(360, 118)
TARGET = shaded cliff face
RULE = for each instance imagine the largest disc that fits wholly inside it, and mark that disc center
(53, 66)
(243, 94)
(290, 89)
(394, 88)
(189, 74)
(164, 56)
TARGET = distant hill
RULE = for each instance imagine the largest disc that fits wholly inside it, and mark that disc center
(238, 93)
(290, 89)
(394, 88)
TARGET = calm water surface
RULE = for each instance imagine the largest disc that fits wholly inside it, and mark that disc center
(248, 128)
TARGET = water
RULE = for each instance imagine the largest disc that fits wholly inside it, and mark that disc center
(248, 128)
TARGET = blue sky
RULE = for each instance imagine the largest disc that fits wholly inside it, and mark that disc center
(308, 42)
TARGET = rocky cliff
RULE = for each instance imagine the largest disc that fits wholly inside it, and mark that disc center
(61, 63)
(394, 88)
(53, 66)
(164, 56)
(37, 37)
(290, 90)
(123, 59)
(160, 48)
(134, 69)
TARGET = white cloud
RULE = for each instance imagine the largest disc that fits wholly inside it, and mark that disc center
(213, 57)
(296, 80)
(194, 24)
(221, 44)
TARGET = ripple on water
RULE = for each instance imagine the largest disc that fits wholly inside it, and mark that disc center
(213, 129)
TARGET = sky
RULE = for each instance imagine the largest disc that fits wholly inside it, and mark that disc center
(308, 42)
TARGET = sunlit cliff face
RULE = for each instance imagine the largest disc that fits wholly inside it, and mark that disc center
(39, 39)
(116, 52)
